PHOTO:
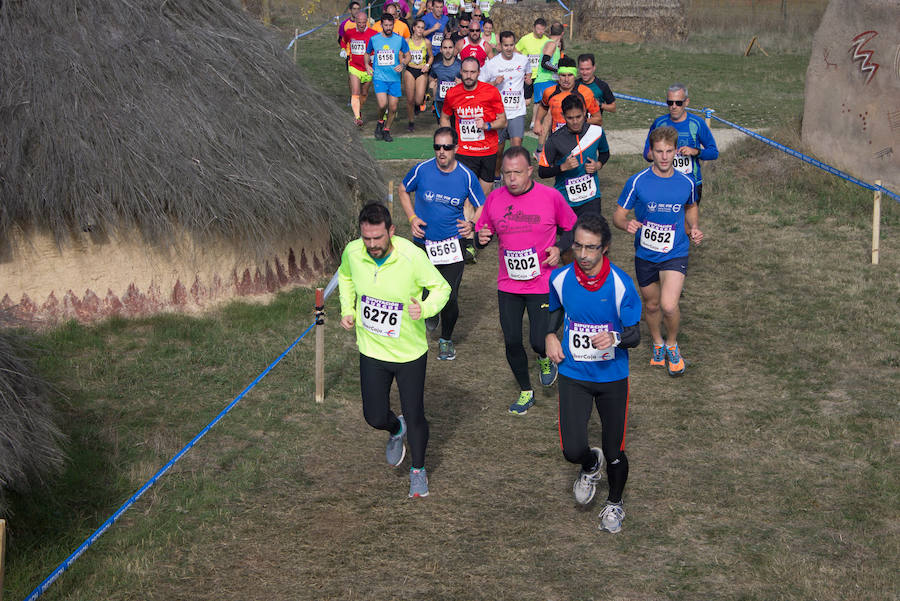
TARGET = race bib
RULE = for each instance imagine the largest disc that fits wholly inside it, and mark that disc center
(444, 87)
(381, 317)
(417, 56)
(581, 188)
(558, 125)
(467, 7)
(522, 264)
(452, 9)
(357, 47)
(535, 61)
(512, 99)
(469, 132)
(437, 38)
(658, 237)
(580, 346)
(485, 6)
(384, 58)
(683, 163)
(444, 252)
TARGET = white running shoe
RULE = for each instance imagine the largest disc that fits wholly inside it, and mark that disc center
(611, 517)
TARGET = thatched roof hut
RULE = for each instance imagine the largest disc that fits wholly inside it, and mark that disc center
(162, 154)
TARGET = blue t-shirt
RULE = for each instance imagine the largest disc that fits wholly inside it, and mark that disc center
(659, 204)
(692, 132)
(385, 51)
(612, 308)
(445, 76)
(440, 197)
(431, 21)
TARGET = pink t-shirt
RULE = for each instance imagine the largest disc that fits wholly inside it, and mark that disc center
(525, 227)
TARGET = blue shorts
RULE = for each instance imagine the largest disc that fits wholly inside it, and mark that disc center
(647, 272)
(391, 88)
(540, 87)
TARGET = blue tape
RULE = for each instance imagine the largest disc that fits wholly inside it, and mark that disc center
(336, 20)
(568, 11)
(65, 565)
(708, 113)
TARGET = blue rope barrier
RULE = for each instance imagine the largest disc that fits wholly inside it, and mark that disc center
(65, 565)
(336, 20)
(708, 113)
(568, 11)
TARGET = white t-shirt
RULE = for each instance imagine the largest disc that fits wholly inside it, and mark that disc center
(512, 90)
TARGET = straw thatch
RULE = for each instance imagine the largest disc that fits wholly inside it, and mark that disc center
(163, 117)
(30, 450)
(630, 20)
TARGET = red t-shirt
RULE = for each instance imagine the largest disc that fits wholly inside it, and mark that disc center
(485, 102)
(476, 50)
(356, 42)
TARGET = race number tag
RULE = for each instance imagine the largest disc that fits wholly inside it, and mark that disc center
(452, 9)
(357, 47)
(381, 317)
(417, 56)
(581, 188)
(580, 346)
(535, 60)
(512, 99)
(384, 58)
(437, 38)
(469, 132)
(444, 88)
(444, 252)
(557, 126)
(522, 264)
(485, 6)
(467, 7)
(657, 237)
(683, 163)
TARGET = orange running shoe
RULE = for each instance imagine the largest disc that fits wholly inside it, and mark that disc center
(659, 356)
(674, 361)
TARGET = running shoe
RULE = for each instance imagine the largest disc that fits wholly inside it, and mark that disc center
(395, 451)
(548, 371)
(446, 350)
(418, 483)
(659, 355)
(611, 517)
(674, 361)
(526, 400)
(411, 127)
(359, 122)
(386, 135)
(379, 130)
(469, 255)
(586, 484)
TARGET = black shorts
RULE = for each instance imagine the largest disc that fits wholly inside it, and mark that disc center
(416, 72)
(482, 166)
(698, 191)
(647, 272)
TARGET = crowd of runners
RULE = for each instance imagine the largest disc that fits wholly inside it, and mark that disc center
(552, 242)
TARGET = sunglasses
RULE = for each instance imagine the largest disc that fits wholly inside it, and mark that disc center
(444, 146)
(475, 30)
(675, 102)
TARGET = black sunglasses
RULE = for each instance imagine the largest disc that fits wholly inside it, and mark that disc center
(475, 30)
(444, 146)
(675, 102)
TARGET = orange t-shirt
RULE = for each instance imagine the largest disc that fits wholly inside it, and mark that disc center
(553, 97)
(400, 28)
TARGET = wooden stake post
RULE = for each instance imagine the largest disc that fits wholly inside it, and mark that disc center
(876, 223)
(296, 33)
(571, 25)
(320, 345)
(390, 197)
(2, 554)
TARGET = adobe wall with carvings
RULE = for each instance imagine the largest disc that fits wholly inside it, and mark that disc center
(851, 116)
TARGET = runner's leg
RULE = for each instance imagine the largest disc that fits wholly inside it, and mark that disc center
(671, 283)
(512, 309)
(652, 314)
(612, 405)
(538, 321)
(375, 378)
(411, 386)
(575, 406)
(450, 313)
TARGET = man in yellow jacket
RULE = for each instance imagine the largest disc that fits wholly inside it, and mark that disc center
(381, 280)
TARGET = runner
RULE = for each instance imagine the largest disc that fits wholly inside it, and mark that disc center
(548, 115)
(391, 54)
(444, 74)
(489, 37)
(664, 204)
(415, 78)
(400, 27)
(695, 140)
(532, 45)
(545, 76)
(596, 85)
(460, 30)
(479, 112)
(574, 154)
(346, 25)
(435, 24)
(509, 72)
(474, 46)
(525, 216)
(453, 11)
(485, 6)
(600, 308)
(402, 10)
(381, 279)
(356, 40)
(442, 185)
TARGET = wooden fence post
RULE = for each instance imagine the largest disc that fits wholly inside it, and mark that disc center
(320, 345)
(2, 554)
(571, 25)
(296, 33)
(876, 223)
(390, 196)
